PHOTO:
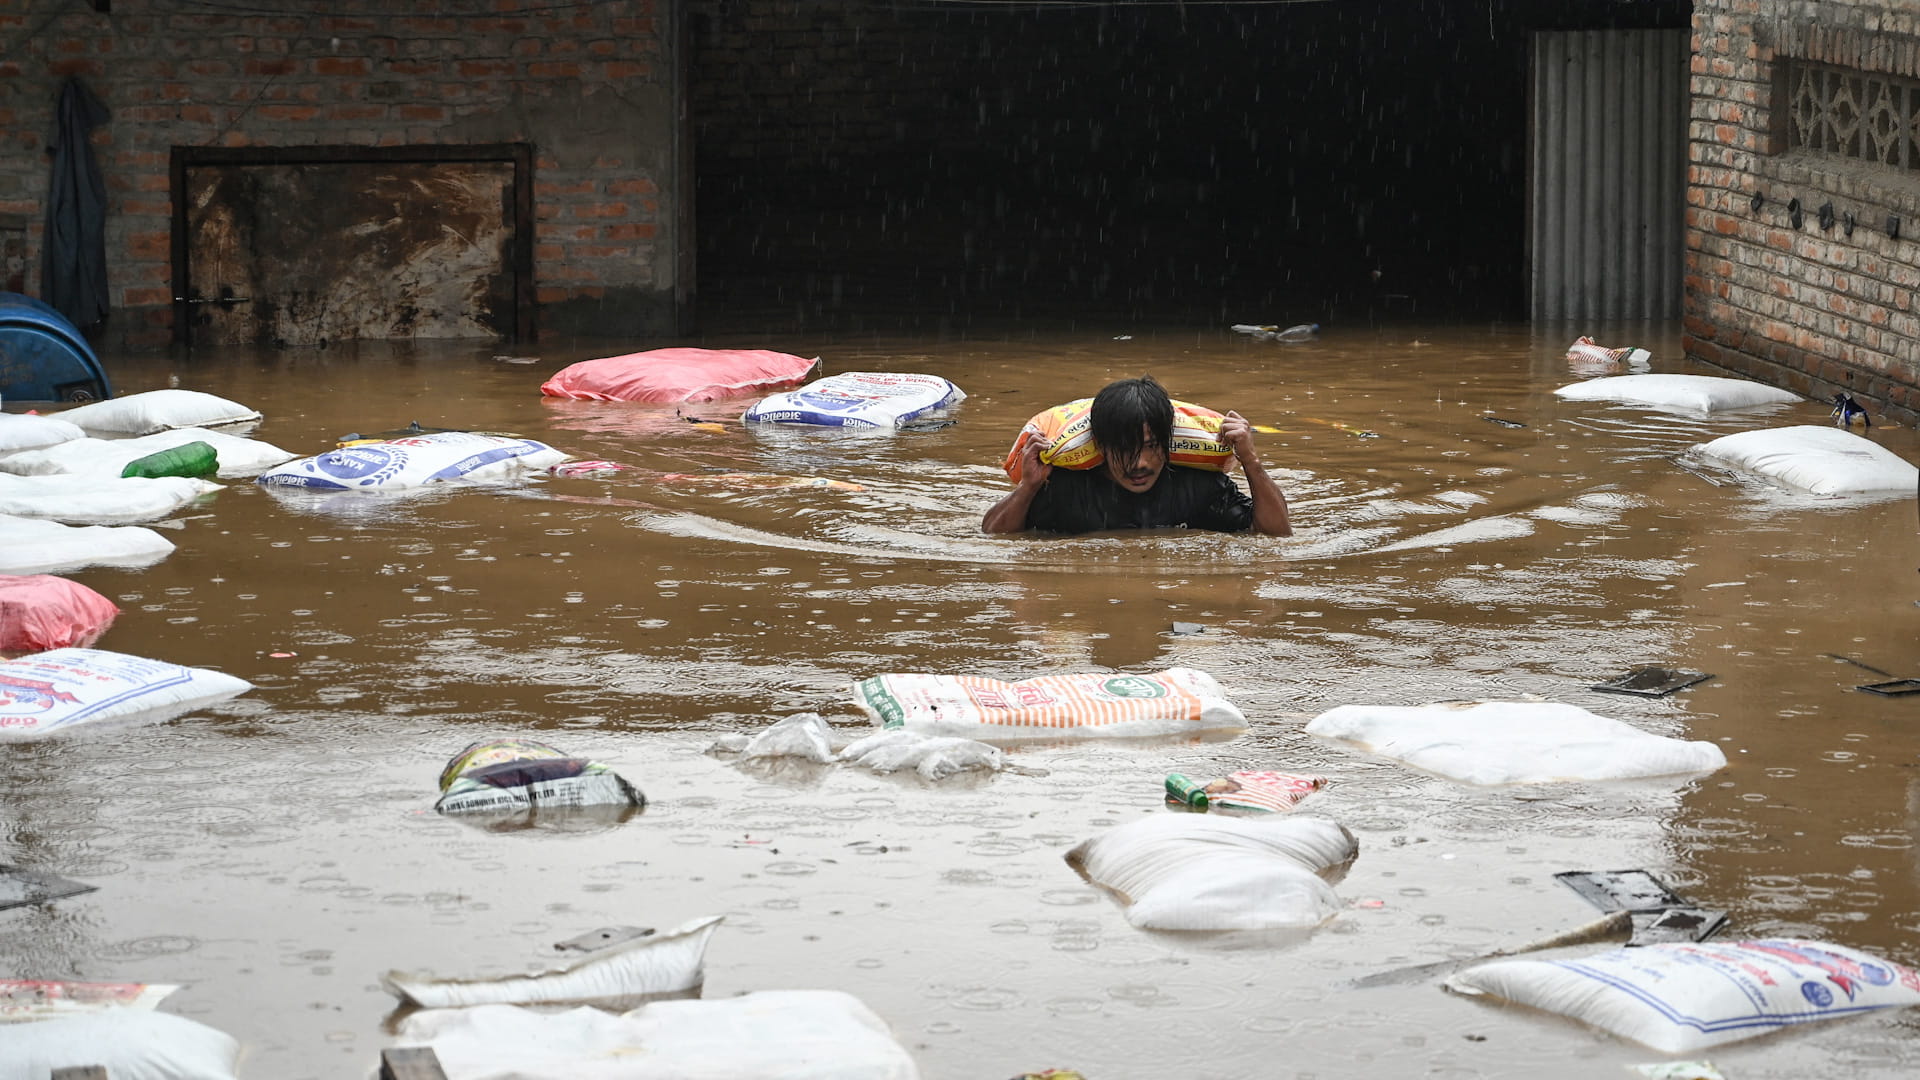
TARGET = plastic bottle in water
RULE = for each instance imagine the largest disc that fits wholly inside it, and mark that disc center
(1302, 332)
(187, 459)
(1183, 790)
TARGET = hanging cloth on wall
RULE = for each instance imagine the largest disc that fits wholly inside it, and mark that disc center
(73, 256)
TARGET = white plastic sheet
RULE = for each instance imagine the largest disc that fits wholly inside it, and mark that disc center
(802, 735)
(1198, 872)
(1819, 460)
(660, 964)
(1681, 998)
(1514, 742)
(98, 499)
(34, 546)
(19, 431)
(933, 757)
(63, 689)
(768, 1035)
(158, 410)
(1695, 393)
(132, 1044)
(238, 456)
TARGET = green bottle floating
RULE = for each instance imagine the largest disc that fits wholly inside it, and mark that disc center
(188, 459)
(1181, 789)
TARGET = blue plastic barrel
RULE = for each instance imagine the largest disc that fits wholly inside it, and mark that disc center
(44, 357)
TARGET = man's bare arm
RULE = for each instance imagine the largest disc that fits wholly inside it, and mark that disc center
(1270, 514)
(1010, 513)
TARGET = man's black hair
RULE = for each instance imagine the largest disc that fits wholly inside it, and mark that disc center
(1119, 411)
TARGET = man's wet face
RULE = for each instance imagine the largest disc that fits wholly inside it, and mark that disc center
(1143, 471)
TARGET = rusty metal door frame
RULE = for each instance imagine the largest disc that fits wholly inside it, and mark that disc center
(520, 155)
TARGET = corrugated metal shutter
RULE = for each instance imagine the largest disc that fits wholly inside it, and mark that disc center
(1607, 191)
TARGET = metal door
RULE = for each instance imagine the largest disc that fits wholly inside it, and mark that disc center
(1608, 174)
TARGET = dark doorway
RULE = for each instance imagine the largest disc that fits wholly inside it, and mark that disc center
(306, 246)
(1224, 162)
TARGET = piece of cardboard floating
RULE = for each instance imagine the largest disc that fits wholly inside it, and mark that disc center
(1659, 914)
(20, 886)
(1651, 682)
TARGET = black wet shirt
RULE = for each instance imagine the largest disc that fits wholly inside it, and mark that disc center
(1087, 500)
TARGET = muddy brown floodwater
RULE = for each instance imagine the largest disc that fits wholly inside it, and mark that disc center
(275, 854)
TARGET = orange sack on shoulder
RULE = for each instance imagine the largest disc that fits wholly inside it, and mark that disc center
(1066, 438)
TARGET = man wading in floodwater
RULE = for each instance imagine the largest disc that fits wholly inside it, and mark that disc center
(1134, 488)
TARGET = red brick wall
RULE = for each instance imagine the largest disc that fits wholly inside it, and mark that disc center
(1809, 307)
(587, 83)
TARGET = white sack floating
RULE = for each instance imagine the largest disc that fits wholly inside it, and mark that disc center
(34, 546)
(66, 688)
(765, 1035)
(98, 499)
(416, 460)
(158, 410)
(1196, 872)
(20, 431)
(1680, 998)
(661, 964)
(1697, 393)
(858, 399)
(129, 1043)
(1814, 459)
(1514, 742)
(238, 456)
(1177, 701)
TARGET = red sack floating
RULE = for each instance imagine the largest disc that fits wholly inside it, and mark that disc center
(40, 612)
(680, 375)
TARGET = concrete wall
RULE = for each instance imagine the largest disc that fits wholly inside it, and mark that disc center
(590, 85)
(1808, 307)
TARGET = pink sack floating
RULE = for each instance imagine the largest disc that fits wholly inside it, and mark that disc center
(679, 375)
(41, 612)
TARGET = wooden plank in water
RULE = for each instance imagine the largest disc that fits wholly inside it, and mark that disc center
(410, 1063)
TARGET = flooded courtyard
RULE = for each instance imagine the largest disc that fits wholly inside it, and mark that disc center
(1460, 533)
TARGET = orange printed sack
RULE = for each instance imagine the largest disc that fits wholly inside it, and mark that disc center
(1066, 434)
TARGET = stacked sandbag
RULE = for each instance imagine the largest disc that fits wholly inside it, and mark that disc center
(158, 410)
(32, 545)
(237, 457)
